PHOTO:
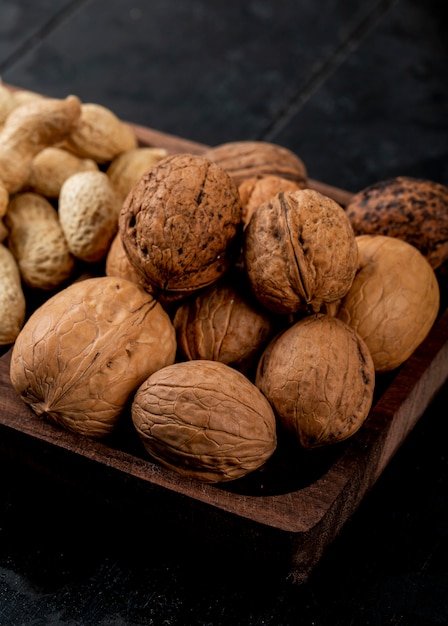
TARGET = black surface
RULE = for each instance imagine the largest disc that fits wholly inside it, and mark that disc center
(359, 91)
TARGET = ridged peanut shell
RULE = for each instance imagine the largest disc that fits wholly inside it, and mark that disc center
(394, 299)
(319, 377)
(83, 353)
(88, 212)
(12, 299)
(299, 252)
(36, 239)
(204, 420)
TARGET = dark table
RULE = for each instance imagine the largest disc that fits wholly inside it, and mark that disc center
(360, 92)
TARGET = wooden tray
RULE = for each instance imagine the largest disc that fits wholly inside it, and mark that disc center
(291, 509)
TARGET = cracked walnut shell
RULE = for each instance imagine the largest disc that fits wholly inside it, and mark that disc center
(204, 420)
(319, 377)
(181, 224)
(300, 252)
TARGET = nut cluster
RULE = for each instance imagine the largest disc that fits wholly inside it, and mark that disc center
(233, 301)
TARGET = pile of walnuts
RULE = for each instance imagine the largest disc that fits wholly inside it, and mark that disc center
(235, 301)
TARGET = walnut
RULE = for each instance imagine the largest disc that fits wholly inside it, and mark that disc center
(249, 159)
(394, 299)
(319, 377)
(299, 252)
(254, 191)
(204, 420)
(223, 323)
(84, 352)
(412, 209)
(181, 225)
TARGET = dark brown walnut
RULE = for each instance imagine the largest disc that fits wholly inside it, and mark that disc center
(300, 252)
(223, 323)
(412, 209)
(83, 353)
(181, 225)
(204, 420)
(248, 159)
(393, 301)
(254, 191)
(319, 377)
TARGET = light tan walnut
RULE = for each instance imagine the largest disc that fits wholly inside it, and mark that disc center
(204, 420)
(223, 323)
(181, 225)
(300, 252)
(248, 159)
(256, 191)
(319, 377)
(394, 299)
(83, 353)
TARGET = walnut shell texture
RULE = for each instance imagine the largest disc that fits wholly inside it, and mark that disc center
(222, 324)
(256, 191)
(319, 377)
(412, 209)
(205, 420)
(83, 353)
(394, 299)
(181, 224)
(300, 252)
(248, 159)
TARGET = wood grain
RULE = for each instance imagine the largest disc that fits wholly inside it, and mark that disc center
(299, 519)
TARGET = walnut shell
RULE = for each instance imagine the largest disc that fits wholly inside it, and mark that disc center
(394, 299)
(256, 191)
(412, 209)
(181, 224)
(319, 377)
(83, 353)
(299, 252)
(222, 323)
(204, 420)
(128, 167)
(248, 159)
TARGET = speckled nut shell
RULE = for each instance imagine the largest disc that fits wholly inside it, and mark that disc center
(412, 209)
(246, 159)
(299, 252)
(204, 420)
(319, 377)
(181, 224)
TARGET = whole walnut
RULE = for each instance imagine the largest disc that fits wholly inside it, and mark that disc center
(204, 420)
(319, 377)
(255, 191)
(181, 224)
(412, 209)
(248, 159)
(394, 299)
(223, 323)
(83, 353)
(300, 252)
